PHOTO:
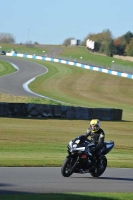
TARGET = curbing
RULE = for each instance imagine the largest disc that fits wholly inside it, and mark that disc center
(99, 69)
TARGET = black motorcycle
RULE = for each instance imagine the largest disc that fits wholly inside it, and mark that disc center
(81, 157)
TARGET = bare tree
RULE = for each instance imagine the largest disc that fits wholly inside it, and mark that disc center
(7, 38)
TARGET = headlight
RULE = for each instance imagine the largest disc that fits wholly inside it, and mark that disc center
(70, 144)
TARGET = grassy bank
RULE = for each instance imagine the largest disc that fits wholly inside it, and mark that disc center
(30, 142)
(26, 142)
(77, 53)
(83, 87)
(6, 68)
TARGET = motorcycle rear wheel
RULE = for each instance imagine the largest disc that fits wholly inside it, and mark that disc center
(66, 169)
(96, 172)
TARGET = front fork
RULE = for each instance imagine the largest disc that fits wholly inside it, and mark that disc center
(76, 161)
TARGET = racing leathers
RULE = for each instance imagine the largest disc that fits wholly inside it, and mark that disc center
(97, 137)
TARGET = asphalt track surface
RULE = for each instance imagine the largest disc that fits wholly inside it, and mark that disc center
(49, 179)
(13, 83)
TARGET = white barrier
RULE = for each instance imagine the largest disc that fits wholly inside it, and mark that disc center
(99, 69)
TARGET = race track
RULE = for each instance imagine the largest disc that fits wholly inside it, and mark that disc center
(50, 180)
(13, 83)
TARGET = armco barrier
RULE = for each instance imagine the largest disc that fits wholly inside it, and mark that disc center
(23, 110)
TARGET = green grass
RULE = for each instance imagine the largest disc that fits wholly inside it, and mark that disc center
(74, 196)
(76, 86)
(23, 49)
(93, 58)
(82, 87)
(69, 52)
(36, 142)
(22, 99)
(30, 142)
(6, 68)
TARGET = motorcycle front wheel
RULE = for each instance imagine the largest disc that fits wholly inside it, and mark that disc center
(67, 167)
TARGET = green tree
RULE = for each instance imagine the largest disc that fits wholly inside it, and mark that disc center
(100, 39)
(127, 37)
(110, 48)
(125, 41)
(97, 45)
(129, 48)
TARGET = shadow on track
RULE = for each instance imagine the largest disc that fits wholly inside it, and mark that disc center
(106, 178)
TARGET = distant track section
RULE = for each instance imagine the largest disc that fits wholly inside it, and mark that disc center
(13, 83)
(98, 69)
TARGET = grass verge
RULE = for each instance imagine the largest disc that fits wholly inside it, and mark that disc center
(6, 68)
(30, 142)
(74, 196)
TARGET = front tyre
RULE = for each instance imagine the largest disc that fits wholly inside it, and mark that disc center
(67, 167)
(96, 172)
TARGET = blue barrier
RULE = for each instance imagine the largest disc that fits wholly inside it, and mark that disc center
(98, 69)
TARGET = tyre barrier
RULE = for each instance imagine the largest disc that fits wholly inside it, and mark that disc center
(43, 111)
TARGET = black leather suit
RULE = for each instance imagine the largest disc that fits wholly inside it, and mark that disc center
(97, 138)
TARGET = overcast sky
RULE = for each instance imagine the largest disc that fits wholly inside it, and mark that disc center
(52, 21)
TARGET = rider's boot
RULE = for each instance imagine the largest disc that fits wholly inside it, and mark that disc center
(99, 163)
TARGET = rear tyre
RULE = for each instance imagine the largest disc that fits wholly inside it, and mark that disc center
(96, 172)
(67, 167)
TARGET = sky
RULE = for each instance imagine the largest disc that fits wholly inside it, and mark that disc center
(53, 21)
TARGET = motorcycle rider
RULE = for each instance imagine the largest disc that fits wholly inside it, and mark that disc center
(97, 137)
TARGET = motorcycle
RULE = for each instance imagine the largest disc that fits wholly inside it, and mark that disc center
(81, 157)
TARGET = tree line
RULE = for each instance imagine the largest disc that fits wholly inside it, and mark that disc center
(106, 44)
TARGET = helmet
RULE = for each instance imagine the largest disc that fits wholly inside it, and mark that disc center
(95, 125)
